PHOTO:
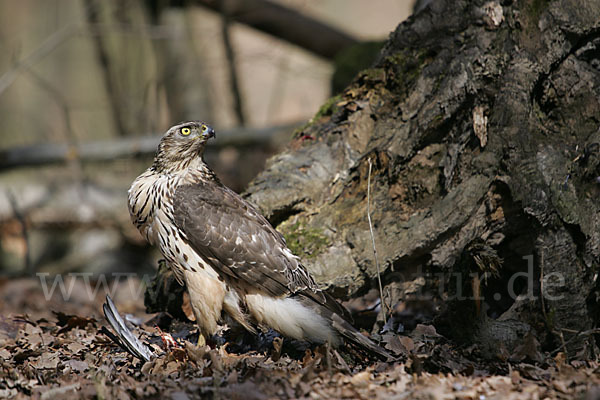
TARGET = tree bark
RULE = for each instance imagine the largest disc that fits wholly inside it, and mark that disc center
(481, 120)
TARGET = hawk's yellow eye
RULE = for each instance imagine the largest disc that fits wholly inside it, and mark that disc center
(204, 128)
(185, 131)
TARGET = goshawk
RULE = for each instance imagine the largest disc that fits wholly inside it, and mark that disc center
(226, 252)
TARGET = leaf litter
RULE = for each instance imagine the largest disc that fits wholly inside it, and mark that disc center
(53, 349)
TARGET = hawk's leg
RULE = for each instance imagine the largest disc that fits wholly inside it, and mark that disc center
(206, 298)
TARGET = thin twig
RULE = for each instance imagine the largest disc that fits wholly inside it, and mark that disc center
(53, 41)
(22, 220)
(383, 305)
(74, 159)
(570, 330)
(154, 32)
(116, 102)
(576, 334)
(328, 350)
(231, 65)
(543, 303)
(564, 344)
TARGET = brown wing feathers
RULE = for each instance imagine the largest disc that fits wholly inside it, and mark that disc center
(236, 239)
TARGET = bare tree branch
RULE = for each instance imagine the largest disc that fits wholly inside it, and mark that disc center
(231, 65)
(43, 50)
(29, 268)
(50, 153)
(116, 102)
(286, 24)
(61, 101)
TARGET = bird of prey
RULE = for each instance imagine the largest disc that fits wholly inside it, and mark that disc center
(226, 252)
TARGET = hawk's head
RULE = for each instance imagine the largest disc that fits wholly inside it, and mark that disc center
(181, 144)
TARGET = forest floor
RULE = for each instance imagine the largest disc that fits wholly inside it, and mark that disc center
(53, 346)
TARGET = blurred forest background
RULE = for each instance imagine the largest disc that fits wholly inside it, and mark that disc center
(87, 87)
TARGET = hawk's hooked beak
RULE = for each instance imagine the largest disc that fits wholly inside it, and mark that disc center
(210, 133)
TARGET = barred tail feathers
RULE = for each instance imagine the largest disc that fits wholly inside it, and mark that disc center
(351, 334)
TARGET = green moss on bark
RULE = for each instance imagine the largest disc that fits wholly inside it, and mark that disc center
(304, 241)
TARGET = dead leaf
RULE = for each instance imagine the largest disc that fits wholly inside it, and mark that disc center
(393, 344)
(170, 368)
(339, 362)
(560, 360)
(246, 390)
(277, 346)
(77, 365)
(24, 355)
(195, 353)
(32, 330)
(529, 349)
(422, 330)
(9, 328)
(361, 379)
(407, 342)
(69, 322)
(533, 372)
(4, 354)
(149, 365)
(8, 393)
(60, 392)
(308, 358)
(178, 354)
(47, 360)
(76, 347)
(560, 386)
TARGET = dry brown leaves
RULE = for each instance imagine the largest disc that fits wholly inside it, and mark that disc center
(50, 355)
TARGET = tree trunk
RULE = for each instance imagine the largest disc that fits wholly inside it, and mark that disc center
(481, 121)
